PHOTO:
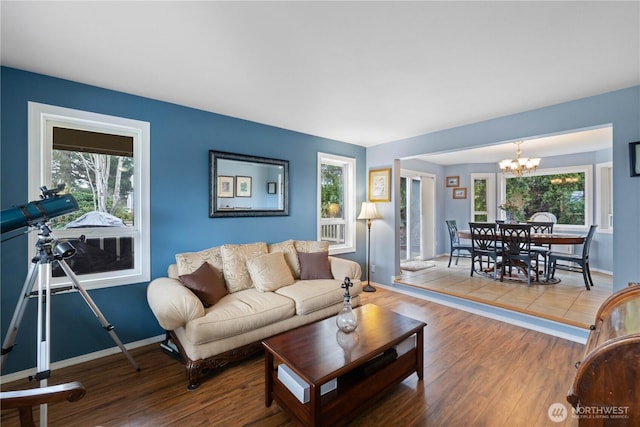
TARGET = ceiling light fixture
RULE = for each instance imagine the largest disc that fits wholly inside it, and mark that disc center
(567, 180)
(519, 165)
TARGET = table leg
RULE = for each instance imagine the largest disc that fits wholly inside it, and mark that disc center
(268, 378)
(420, 355)
(314, 395)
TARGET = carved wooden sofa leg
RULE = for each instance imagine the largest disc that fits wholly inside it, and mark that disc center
(198, 369)
(194, 371)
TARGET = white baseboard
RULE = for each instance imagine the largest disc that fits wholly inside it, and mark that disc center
(537, 324)
(599, 270)
(14, 376)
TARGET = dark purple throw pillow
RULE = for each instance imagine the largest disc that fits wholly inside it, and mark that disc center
(206, 283)
(314, 265)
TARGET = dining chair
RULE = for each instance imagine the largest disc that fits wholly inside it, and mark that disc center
(484, 245)
(516, 250)
(542, 227)
(581, 259)
(543, 217)
(456, 244)
(25, 400)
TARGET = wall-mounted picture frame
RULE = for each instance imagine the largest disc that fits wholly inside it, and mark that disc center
(379, 185)
(271, 187)
(243, 186)
(225, 186)
(453, 181)
(634, 158)
(460, 193)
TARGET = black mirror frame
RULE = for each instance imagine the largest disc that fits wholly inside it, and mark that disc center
(214, 212)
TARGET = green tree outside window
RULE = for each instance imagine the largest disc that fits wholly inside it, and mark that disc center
(99, 182)
(332, 192)
(561, 194)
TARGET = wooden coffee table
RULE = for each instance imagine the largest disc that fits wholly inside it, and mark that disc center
(318, 353)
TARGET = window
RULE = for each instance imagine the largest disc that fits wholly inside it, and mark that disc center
(336, 202)
(104, 163)
(565, 192)
(483, 196)
(604, 197)
(410, 217)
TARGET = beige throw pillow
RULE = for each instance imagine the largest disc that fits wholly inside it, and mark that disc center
(234, 264)
(189, 262)
(311, 246)
(290, 255)
(269, 272)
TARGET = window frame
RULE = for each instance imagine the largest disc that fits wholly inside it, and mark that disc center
(490, 178)
(349, 195)
(588, 192)
(42, 119)
(604, 189)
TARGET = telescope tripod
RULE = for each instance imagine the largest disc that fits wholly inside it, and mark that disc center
(50, 250)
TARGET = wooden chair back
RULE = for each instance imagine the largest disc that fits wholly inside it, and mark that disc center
(516, 238)
(587, 242)
(25, 400)
(452, 227)
(540, 227)
(483, 236)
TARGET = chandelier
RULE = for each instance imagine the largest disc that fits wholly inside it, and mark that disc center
(519, 165)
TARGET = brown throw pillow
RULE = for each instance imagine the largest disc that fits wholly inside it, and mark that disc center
(206, 283)
(314, 265)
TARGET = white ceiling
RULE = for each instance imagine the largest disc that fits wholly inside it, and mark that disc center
(360, 72)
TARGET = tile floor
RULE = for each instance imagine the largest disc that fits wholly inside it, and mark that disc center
(567, 302)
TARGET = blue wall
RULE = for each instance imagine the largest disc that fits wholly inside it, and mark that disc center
(621, 109)
(181, 138)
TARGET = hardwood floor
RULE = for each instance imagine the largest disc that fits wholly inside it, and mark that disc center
(566, 302)
(477, 371)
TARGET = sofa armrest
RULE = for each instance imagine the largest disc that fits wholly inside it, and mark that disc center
(341, 268)
(172, 303)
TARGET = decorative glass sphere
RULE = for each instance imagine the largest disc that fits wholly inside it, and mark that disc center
(346, 319)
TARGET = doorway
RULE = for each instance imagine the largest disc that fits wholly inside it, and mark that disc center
(417, 216)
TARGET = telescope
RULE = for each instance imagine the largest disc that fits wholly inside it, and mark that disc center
(50, 205)
(50, 250)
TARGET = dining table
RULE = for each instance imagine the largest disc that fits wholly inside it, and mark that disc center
(542, 239)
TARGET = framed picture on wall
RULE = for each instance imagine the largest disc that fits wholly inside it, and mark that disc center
(453, 181)
(271, 187)
(225, 186)
(379, 181)
(634, 158)
(460, 193)
(243, 186)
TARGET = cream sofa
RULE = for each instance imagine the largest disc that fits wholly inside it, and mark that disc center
(219, 312)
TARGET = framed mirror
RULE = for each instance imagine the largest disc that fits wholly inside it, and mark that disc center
(241, 185)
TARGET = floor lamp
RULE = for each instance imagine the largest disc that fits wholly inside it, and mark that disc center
(369, 212)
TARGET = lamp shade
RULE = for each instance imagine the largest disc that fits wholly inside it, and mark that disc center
(369, 211)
